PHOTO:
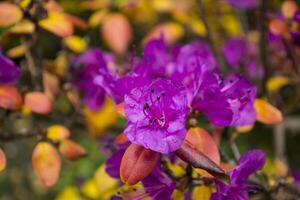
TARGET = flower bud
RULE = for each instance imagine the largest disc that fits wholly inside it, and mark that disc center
(137, 163)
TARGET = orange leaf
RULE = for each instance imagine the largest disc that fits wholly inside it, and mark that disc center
(71, 150)
(266, 113)
(58, 133)
(51, 84)
(137, 163)
(58, 24)
(117, 33)
(204, 143)
(38, 102)
(10, 14)
(46, 163)
(170, 31)
(2, 160)
(76, 21)
(10, 98)
(121, 109)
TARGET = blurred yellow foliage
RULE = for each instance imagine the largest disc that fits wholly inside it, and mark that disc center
(76, 43)
(277, 82)
(101, 120)
(69, 193)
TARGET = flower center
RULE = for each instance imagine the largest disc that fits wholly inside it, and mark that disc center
(153, 110)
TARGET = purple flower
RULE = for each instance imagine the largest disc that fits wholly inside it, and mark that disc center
(296, 176)
(244, 4)
(226, 102)
(235, 50)
(155, 60)
(193, 61)
(9, 71)
(158, 185)
(249, 163)
(93, 78)
(156, 115)
(238, 53)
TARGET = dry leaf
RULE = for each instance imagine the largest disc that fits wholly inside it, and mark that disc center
(46, 163)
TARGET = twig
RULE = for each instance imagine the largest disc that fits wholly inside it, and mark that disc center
(263, 45)
(209, 34)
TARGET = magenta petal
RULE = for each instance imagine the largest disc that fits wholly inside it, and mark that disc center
(156, 115)
(9, 71)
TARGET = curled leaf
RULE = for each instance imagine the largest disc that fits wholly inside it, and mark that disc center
(10, 14)
(38, 102)
(10, 98)
(116, 32)
(46, 163)
(204, 143)
(266, 113)
(71, 150)
(58, 133)
(2, 160)
(188, 153)
(137, 163)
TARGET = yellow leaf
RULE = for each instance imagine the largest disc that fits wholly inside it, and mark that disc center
(75, 43)
(69, 193)
(46, 163)
(90, 189)
(202, 192)
(178, 195)
(17, 51)
(101, 120)
(107, 185)
(97, 18)
(57, 24)
(163, 6)
(244, 129)
(60, 64)
(117, 33)
(10, 14)
(23, 27)
(277, 82)
(198, 27)
(24, 3)
(171, 32)
(57, 133)
(2, 160)
(176, 169)
(266, 113)
(231, 24)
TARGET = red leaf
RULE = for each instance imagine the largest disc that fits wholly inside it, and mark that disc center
(38, 102)
(10, 98)
(197, 159)
(116, 32)
(137, 163)
(2, 160)
(71, 150)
